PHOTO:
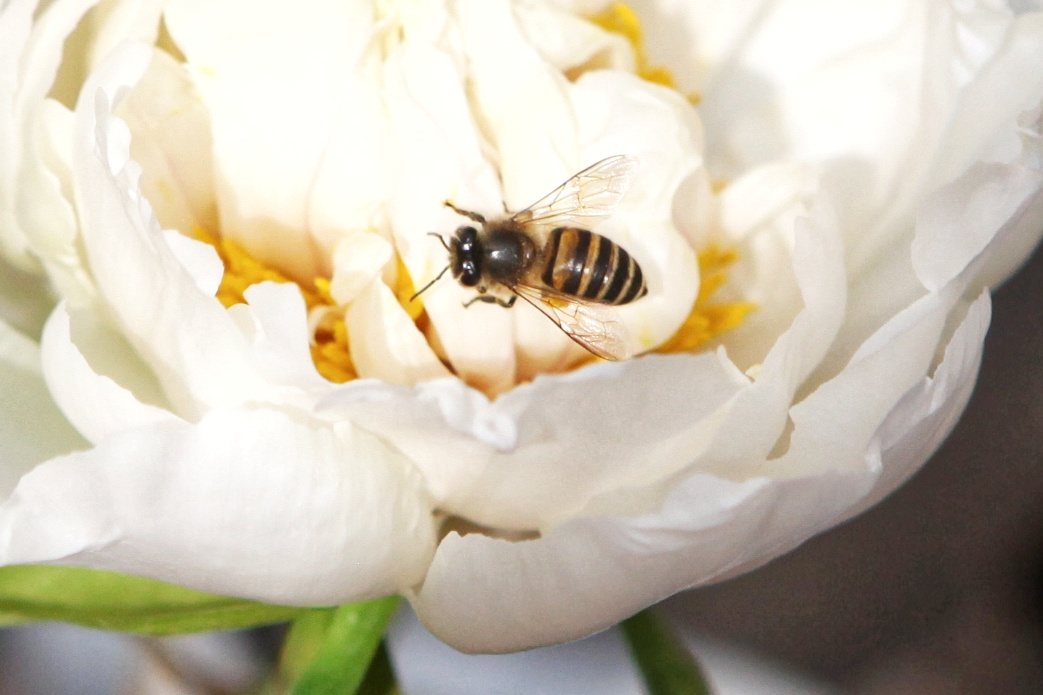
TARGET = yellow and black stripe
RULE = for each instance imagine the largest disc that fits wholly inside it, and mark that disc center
(583, 264)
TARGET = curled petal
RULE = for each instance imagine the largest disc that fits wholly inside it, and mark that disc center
(488, 595)
(925, 416)
(96, 379)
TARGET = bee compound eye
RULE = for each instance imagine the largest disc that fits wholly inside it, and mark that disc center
(469, 275)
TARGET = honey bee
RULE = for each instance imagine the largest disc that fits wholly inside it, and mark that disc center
(542, 255)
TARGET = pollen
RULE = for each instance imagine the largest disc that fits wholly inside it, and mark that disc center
(619, 18)
(329, 340)
(709, 317)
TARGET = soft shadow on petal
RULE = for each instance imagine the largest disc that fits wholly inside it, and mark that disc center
(534, 145)
(96, 379)
(32, 429)
(758, 420)
(172, 145)
(488, 595)
(25, 300)
(540, 453)
(992, 212)
(900, 96)
(272, 78)
(252, 503)
(758, 218)
(925, 416)
(909, 433)
(185, 336)
(957, 223)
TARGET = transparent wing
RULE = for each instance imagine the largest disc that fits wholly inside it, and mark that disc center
(586, 324)
(591, 193)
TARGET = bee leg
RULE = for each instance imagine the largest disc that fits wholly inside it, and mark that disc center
(490, 299)
(484, 298)
(466, 213)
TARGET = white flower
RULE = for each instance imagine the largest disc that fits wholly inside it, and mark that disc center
(874, 166)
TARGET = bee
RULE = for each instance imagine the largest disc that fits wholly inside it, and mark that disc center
(546, 255)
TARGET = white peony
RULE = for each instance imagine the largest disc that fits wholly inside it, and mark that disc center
(873, 167)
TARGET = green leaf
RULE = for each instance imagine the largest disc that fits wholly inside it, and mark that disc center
(667, 666)
(328, 652)
(111, 601)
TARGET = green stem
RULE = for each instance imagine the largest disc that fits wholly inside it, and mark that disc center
(666, 665)
(329, 651)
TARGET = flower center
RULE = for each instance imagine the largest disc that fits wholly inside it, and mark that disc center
(330, 343)
(330, 347)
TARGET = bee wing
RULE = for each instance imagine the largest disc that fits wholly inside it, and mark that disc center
(586, 324)
(591, 193)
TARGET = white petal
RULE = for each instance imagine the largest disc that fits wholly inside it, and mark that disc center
(185, 336)
(534, 145)
(759, 214)
(359, 259)
(385, 343)
(957, 223)
(355, 175)
(1001, 220)
(172, 144)
(902, 96)
(32, 429)
(96, 379)
(258, 503)
(275, 322)
(925, 416)
(33, 211)
(758, 419)
(199, 259)
(274, 107)
(834, 426)
(547, 449)
(440, 157)
(487, 595)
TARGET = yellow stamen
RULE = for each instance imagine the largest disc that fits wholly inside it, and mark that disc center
(405, 289)
(619, 18)
(329, 343)
(709, 319)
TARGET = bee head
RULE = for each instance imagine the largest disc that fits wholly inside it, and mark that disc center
(465, 255)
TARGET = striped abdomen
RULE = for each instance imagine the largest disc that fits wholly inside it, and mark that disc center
(587, 265)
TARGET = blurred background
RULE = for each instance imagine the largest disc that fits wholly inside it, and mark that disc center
(937, 590)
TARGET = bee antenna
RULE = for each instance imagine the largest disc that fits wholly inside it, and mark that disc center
(424, 288)
(441, 239)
